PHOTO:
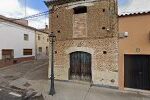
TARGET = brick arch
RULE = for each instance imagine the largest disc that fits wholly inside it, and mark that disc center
(84, 49)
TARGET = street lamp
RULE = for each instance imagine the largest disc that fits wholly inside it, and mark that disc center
(52, 37)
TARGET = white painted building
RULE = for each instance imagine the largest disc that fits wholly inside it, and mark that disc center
(12, 37)
(17, 39)
(19, 42)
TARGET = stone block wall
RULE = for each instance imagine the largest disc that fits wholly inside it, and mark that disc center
(100, 40)
(104, 59)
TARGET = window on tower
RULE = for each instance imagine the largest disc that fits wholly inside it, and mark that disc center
(80, 9)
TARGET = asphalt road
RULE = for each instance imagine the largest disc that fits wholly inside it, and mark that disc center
(29, 70)
(8, 94)
(33, 70)
(34, 75)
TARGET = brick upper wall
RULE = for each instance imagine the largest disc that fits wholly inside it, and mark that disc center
(102, 14)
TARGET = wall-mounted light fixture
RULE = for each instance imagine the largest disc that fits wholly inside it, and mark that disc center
(123, 35)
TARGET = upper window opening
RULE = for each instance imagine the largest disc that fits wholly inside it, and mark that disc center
(26, 37)
(39, 37)
(79, 10)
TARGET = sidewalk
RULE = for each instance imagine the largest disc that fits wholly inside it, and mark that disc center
(33, 76)
(76, 91)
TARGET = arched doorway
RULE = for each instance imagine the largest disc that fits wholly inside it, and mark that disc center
(80, 66)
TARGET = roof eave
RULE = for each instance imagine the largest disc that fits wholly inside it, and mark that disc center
(29, 27)
(50, 3)
(61, 2)
(134, 14)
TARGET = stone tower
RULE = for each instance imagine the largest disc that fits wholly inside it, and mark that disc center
(86, 46)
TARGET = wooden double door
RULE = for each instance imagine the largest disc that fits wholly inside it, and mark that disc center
(80, 66)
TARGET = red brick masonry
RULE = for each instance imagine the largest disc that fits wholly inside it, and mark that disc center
(4, 63)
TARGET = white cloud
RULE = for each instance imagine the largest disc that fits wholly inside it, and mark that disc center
(39, 22)
(8, 7)
(135, 6)
(14, 9)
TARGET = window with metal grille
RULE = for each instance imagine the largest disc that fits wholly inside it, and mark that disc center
(27, 51)
(26, 37)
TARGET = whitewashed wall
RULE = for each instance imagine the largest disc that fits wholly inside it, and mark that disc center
(12, 37)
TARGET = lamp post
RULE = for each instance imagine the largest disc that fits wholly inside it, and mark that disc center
(52, 88)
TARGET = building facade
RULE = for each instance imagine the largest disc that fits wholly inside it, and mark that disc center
(86, 41)
(134, 51)
(42, 45)
(18, 41)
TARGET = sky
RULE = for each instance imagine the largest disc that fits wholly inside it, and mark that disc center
(16, 9)
(130, 6)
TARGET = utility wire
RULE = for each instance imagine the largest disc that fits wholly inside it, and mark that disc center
(47, 12)
(29, 17)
